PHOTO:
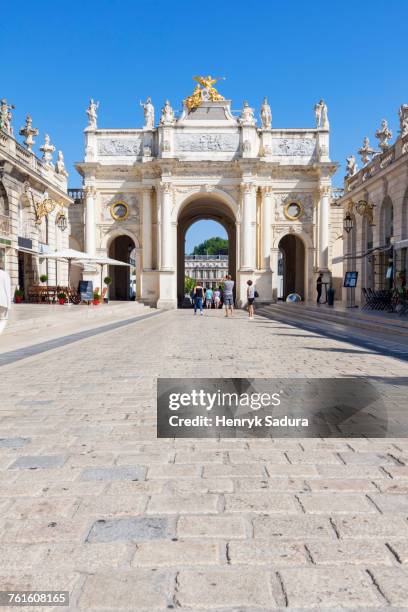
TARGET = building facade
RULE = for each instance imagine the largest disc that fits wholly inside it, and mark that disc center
(269, 187)
(375, 202)
(33, 206)
(209, 269)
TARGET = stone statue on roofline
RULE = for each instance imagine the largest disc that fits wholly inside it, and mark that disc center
(321, 116)
(167, 114)
(47, 149)
(60, 165)
(366, 152)
(383, 134)
(266, 114)
(148, 110)
(403, 117)
(351, 166)
(29, 132)
(247, 115)
(6, 116)
(91, 112)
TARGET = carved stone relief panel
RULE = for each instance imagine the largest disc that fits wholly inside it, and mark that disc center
(293, 147)
(202, 142)
(119, 146)
(305, 199)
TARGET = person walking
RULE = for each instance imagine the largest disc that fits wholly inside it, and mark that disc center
(250, 298)
(319, 285)
(228, 295)
(217, 298)
(198, 297)
(208, 297)
(5, 298)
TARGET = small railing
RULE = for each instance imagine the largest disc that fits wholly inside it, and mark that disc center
(76, 194)
(206, 257)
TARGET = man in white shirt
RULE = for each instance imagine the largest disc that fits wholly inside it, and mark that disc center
(5, 298)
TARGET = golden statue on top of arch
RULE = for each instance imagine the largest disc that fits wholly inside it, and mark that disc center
(204, 93)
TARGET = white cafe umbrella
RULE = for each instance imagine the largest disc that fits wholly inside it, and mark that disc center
(102, 261)
(68, 255)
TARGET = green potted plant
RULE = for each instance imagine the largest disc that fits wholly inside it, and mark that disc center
(18, 295)
(43, 278)
(61, 298)
(96, 298)
(107, 280)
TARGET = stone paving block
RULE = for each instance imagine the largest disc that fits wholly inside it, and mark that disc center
(373, 526)
(355, 472)
(272, 484)
(397, 471)
(183, 504)
(391, 503)
(329, 588)
(132, 487)
(38, 462)
(71, 489)
(219, 526)
(269, 552)
(10, 490)
(393, 583)
(291, 471)
(105, 506)
(37, 579)
(262, 501)
(144, 458)
(263, 456)
(399, 487)
(250, 470)
(293, 528)
(200, 485)
(44, 530)
(181, 553)
(173, 471)
(37, 508)
(351, 458)
(114, 473)
(350, 552)
(336, 503)
(92, 460)
(126, 590)
(199, 457)
(343, 485)
(68, 556)
(14, 442)
(313, 457)
(134, 529)
(34, 477)
(231, 588)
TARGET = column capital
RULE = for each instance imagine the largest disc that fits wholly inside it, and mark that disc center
(324, 190)
(266, 190)
(90, 191)
(166, 187)
(147, 189)
(248, 188)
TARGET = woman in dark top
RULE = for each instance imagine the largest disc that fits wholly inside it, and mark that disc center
(198, 297)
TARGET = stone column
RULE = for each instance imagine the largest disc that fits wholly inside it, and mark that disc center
(166, 227)
(266, 227)
(147, 228)
(248, 221)
(324, 213)
(90, 220)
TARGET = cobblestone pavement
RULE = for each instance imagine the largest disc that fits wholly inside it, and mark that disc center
(93, 503)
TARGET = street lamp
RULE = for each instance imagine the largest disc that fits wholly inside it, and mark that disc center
(62, 222)
(348, 223)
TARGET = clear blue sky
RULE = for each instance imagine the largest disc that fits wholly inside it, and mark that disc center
(55, 56)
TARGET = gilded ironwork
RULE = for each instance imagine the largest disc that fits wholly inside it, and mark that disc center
(45, 207)
(119, 210)
(363, 208)
(204, 93)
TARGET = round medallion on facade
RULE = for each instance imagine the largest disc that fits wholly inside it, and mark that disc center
(293, 211)
(119, 211)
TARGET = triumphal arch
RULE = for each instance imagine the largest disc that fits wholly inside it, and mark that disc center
(269, 187)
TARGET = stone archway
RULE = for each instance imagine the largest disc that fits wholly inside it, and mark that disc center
(123, 277)
(293, 265)
(204, 206)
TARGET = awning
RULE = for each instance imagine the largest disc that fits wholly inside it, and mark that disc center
(29, 251)
(347, 256)
(401, 244)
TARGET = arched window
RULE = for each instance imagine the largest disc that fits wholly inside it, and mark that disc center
(4, 206)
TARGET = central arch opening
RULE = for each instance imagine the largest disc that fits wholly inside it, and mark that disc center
(123, 285)
(291, 267)
(197, 210)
